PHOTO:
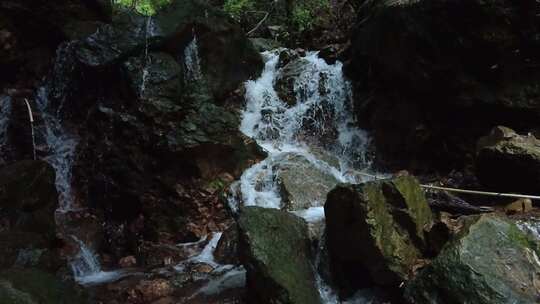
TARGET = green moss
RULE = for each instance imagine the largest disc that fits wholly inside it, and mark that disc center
(307, 13)
(22, 286)
(276, 251)
(235, 8)
(144, 7)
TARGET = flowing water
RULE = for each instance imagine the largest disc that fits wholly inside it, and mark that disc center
(5, 114)
(61, 147)
(318, 128)
(151, 30)
(87, 269)
(192, 61)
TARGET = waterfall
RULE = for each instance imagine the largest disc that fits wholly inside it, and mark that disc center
(5, 114)
(61, 147)
(283, 129)
(87, 269)
(150, 30)
(320, 120)
(192, 60)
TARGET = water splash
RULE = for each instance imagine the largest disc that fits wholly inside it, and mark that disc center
(87, 269)
(192, 60)
(324, 101)
(321, 120)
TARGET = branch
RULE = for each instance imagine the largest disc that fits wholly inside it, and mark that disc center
(258, 24)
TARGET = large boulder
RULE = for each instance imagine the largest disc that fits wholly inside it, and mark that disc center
(28, 200)
(437, 75)
(29, 286)
(507, 161)
(377, 228)
(303, 183)
(275, 250)
(492, 261)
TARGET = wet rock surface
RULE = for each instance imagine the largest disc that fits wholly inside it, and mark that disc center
(276, 272)
(28, 200)
(442, 74)
(504, 154)
(377, 227)
(303, 183)
(491, 261)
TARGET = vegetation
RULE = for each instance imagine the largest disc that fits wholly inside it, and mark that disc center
(235, 8)
(300, 15)
(307, 13)
(144, 7)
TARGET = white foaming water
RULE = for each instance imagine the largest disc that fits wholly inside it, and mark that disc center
(206, 256)
(151, 30)
(321, 119)
(192, 60)
(87, 269)
(323, 102)
(61, 150)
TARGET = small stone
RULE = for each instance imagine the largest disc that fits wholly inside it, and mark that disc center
(128, 261)
(522, 205)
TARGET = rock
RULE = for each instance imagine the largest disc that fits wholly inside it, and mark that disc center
(263, 45)
(277, 272)
(127, 262)
(302, 183)
(150, 291)
(491, 262)
(360, 217)
(285, 81)
(226, 252)
(476, 67)
(158, 81)
(29, 286)
(522, 205)
(28, 200)
(217, 38)
(503, 153)
(30, 32)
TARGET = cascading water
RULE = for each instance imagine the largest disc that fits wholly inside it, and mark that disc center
(192, 60)
(150, 31)
(87, 269)
(284, 129)
(320, 120)
(61, 147)
(5, 113)
(60, 153)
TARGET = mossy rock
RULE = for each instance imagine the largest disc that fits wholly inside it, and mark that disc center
(30, 286)
(28, 196)
(377, 227)
(492, 261)
(275, 249)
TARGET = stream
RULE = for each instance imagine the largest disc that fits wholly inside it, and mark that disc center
(316, 135)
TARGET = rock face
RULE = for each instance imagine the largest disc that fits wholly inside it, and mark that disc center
(377, 227)
(303, 184)
(492, 261)
(30, 31)
(507, 161)
(453, 77)
(276, 253)
(28, 200)
(163, 92)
